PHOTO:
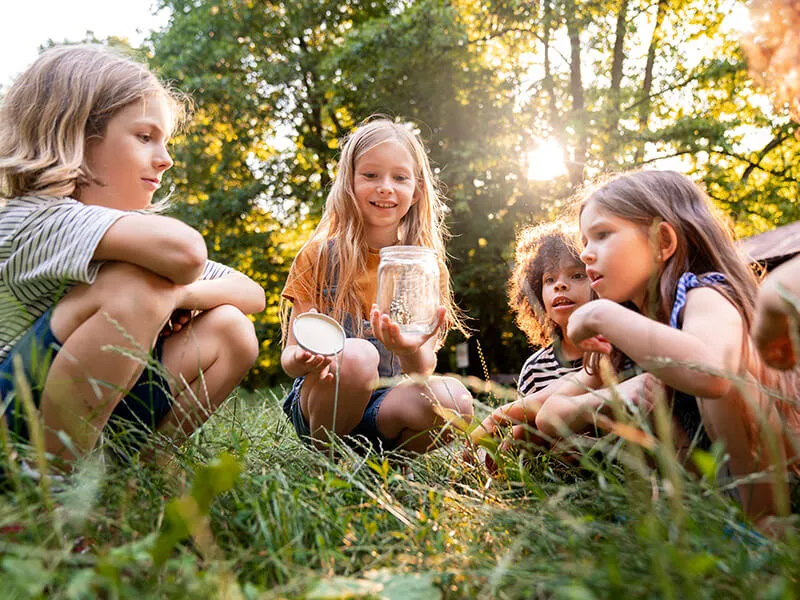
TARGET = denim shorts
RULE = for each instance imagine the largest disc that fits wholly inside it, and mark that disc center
(140, 411)
(367, 428)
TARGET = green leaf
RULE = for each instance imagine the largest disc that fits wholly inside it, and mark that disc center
(344, 588)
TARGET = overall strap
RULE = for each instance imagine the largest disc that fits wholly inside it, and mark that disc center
(687, 282)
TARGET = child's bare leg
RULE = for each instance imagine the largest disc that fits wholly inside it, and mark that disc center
(729, 421)
(407, 411)
(358, 371)
(211, 355)
(86, 381)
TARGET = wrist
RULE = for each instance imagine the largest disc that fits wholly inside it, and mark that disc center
(599, 313)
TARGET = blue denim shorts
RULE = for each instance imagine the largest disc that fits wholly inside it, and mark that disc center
(140, 411)
(367, 428)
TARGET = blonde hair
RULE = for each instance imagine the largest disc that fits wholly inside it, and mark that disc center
(63, 100)
(540, 248)
(339, 240)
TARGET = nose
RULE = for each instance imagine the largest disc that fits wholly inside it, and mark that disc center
(587, 256)
(384, 186)
(162, 160)
(561, 285)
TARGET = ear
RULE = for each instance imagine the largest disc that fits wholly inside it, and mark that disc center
(667, 241)
(415, 197)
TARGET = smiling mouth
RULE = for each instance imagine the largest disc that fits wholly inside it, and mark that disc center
(384, 204)
(562, 303)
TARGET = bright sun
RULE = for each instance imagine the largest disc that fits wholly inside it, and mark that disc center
(546, 161)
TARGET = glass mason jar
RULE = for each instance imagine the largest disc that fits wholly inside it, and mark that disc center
(408, 287)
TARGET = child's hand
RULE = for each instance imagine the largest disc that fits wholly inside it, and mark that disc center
(582, 332)
(311, 363)
(177, 321)
(519, 416)
(642, 391)
(389, 334)
(774, 318)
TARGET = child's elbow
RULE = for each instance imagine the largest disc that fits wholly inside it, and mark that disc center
(191, 257)
(714, 387)
(259, 299)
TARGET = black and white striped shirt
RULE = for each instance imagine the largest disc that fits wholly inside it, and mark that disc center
(46, 247)
(545, 366)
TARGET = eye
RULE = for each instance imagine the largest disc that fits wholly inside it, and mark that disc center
(601, 235)
(402, 178)
(548, 279)
(368, 175)
(579, 275)
(145, 137)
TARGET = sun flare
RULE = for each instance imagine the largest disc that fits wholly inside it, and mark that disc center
(546, 161)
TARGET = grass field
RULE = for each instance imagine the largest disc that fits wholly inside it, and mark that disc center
(247, 511)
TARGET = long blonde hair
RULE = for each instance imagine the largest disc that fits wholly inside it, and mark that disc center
(339, 240)
(63, 100)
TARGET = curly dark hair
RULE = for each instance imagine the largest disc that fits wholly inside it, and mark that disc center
(540, 248)
(772, 47)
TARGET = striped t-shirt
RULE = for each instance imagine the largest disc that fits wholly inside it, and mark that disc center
(46, 247)
(545, 366)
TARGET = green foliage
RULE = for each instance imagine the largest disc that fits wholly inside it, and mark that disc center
(621, 84)
(283, 521)
(186, 516)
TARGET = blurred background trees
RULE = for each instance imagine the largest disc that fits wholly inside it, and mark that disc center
(519, 102)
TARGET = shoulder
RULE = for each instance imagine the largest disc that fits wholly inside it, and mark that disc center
(711, 316)
(708, 299)
(41, 217)
(543, 355)
(309, 253)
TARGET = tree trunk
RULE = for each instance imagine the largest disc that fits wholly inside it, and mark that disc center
(578, 116)
(647, 86)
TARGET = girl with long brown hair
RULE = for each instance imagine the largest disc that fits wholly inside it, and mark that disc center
(677, 298)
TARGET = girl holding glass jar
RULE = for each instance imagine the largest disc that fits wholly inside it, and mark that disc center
(383, 206)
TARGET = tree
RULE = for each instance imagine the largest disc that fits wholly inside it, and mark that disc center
(619, 83)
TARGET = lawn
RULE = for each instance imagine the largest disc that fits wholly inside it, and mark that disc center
(247, 511)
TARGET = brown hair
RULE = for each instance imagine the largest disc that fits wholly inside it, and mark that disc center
(540, 248)
(705, 242)
(64, 99)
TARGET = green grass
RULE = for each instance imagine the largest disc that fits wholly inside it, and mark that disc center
(297, 523)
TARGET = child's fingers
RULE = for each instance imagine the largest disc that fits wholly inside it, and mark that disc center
(596, 343)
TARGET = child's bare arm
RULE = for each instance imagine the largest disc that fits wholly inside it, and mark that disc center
(775, 316)
(525, 409)
(709, 342)
(236, 289)
(576, 412)
(160, 244)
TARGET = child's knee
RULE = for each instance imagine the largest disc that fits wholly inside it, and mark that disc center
(130, 295)
(127, 287)
(238, 333)
(451, 392)
(359, 361)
